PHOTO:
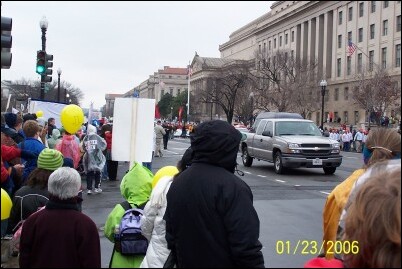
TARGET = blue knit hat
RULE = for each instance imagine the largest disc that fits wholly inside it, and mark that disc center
(10, 119)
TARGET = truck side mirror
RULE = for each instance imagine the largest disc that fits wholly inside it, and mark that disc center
(267, 133)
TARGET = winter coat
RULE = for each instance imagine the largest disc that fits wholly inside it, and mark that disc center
(31, 144)
(159, 131)
(135, 188)
(93, 159)
(54, 138)
(69, 148)
(210, 218)
(334, 205)
(26, 201)
(60, 236)
(153, 226)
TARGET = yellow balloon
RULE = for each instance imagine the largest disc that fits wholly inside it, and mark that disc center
(39, 113)
(164, 171)
(6, 205)
(72, 117)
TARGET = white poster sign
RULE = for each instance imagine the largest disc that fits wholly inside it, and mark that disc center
(133, 127)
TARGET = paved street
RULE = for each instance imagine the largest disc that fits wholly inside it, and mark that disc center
(289, 206)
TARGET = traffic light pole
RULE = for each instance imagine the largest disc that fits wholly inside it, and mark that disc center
(42, 78)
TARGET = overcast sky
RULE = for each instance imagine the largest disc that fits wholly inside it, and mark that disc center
(111, 47)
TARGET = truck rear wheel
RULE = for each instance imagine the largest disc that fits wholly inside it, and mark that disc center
(247, 160)
(278, 163)
(329, 170)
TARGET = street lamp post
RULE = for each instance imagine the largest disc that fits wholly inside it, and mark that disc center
(323, 85)
(66, 96)
(251, 97)
(58, 85)
(171, 113)
(43, 26)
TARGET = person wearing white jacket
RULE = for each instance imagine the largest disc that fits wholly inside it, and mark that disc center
(153, 225)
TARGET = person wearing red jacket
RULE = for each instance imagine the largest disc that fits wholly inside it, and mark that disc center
(111, 165)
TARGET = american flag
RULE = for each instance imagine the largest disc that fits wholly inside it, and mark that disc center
(351, 48)
(189, 71)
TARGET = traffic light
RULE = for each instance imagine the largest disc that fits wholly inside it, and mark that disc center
(40, 62)
(6, 42)
(48, 67)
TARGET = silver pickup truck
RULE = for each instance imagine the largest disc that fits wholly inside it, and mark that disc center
(288, 140)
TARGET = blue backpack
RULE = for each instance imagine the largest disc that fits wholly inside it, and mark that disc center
(128, 239)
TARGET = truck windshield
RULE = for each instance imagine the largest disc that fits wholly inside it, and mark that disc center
(296, 128)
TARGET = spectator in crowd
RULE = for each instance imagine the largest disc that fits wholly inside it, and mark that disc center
(135, 188)
(374, 221)
(69, 147)
(382, 144)
(208, 194)
(14, 123)
(31, 143)
(93, 159)
(166, 136)
(51, 125)
(34, 195)
(160, 132)
(60, 235)
(54, 139)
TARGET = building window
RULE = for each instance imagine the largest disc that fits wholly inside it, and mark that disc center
(280, 41)
(292, 52)
(386, 4)
(384, 58)
(398, 23)
(171, 91)
(371, 60)
(274, 43)
(398, 55)
(269, 45)
(360, 39)
(340, 15)
(361, 9)
(356, 117)
(350, 13)
(339, 67)
(265, 47)
(346, 93)
(359, 62)
(349, 65)
(345, 117)
(259, 48)
(385, 27)
(350, 36)
(372, 31)
(372, 6)
(286, 39)
(336, 95)
(178, 91)
(293, 36)
(339, 41)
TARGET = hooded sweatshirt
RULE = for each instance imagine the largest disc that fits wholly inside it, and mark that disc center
(210, 218)
(93, 159)
(135, 188)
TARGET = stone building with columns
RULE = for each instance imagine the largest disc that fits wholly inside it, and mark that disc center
(320, 30)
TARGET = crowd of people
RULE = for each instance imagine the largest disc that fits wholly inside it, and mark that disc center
(202, 216)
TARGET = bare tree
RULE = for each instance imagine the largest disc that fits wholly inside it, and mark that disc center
(286, 83)
(375, 92)
(224, 87)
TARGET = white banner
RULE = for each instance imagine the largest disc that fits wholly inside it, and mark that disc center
(50, 109)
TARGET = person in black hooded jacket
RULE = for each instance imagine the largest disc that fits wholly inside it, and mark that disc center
(210, 217)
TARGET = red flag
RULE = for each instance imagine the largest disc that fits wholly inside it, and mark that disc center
(180, 113)
(157, 113)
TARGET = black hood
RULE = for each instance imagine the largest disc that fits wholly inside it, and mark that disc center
(216, 142)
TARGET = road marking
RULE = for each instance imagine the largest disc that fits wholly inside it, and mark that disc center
(179, 148)
(175, 153)
(324, 192)
(351, 157)
(247, 172)
(261, 176)
(297, 185)
(281, 181)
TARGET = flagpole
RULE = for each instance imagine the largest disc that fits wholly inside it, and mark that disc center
(188, 92)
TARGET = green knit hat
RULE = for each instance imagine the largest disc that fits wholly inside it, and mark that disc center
(50, 159)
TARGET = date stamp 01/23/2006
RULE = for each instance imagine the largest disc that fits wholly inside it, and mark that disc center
(313, 247)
